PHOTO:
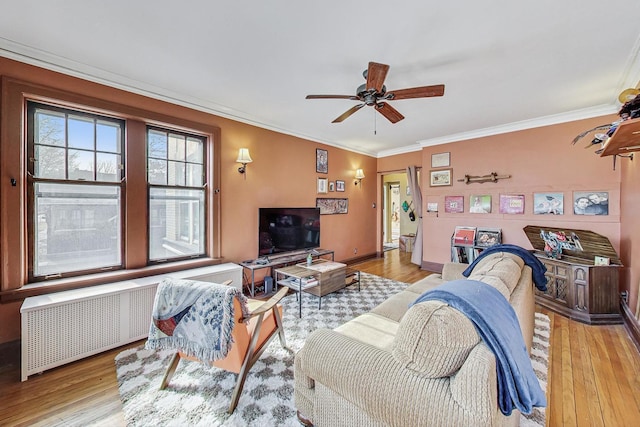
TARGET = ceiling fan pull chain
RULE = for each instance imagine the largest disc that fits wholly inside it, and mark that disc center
(375, 122)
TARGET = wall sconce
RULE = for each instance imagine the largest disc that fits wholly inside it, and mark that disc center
(359, 176)
(244, 158)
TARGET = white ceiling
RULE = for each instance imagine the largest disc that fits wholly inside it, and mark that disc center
(506, 65)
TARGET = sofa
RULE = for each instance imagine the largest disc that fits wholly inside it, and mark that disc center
(423, 365)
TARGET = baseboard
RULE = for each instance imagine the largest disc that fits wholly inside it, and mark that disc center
(434, 267)
(360, 258)
(631, 324)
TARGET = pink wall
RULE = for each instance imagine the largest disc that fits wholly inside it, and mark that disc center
(538, 160)
(630, 230)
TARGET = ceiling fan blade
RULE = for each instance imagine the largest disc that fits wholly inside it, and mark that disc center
(376, 73)
(355, 98)
(389, 112)
(347, 113)
(417, 92)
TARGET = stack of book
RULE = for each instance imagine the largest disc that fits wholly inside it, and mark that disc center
(294, 283)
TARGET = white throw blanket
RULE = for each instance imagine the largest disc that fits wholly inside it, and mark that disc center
(195, 318)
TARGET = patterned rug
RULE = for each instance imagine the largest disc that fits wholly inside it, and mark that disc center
(199, 396)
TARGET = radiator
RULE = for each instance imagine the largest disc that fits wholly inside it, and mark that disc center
(62, 327)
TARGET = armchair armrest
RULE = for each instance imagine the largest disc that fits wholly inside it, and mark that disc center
(270, 303)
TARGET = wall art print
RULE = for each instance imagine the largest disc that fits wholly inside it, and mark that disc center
(331, 206)
(512, 204)
(591, 203)
(480, 203)
(454, 204)
(548, 203)
(322, 161)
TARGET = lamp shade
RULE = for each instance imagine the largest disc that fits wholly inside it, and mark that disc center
(243, 156)
(359, 174)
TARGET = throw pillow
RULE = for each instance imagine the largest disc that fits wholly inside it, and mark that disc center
(434, 339)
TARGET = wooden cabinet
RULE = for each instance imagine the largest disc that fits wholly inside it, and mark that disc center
(586, 293)
(576, 287)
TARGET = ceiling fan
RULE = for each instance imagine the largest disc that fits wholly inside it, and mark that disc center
(374, 93)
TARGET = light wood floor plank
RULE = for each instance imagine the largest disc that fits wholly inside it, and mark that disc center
(592, 414)
(568, 402)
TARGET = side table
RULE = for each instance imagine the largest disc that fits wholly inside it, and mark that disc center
(297, 279)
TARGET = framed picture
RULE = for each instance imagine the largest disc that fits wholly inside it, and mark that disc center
(512, 204)
(322, 185)
(339, 185)
(488, 237)
(332, 186)
(480, 203)
(454, 204)
(322, 161)
(332, 206)
(440, 160)
(440, 177)
(548, 203)
(464, 236)
(591, 203)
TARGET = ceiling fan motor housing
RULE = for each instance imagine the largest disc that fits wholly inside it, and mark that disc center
(370, 96)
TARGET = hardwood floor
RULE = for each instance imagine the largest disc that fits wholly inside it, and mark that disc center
(594, 375)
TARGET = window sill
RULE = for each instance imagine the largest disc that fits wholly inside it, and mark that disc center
(58, 285)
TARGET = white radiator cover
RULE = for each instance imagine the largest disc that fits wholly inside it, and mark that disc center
(66, 326)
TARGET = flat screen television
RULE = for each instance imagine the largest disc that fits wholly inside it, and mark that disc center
(288, 229)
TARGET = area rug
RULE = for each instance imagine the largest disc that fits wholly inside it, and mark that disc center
(199, 396)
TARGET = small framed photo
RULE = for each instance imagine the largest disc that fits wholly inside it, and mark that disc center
(440, 160)
(442, 177)
(339, 185)
(332, 186)
(322, 185)
(322, 161)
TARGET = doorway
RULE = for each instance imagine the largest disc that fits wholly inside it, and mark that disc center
(391, 217)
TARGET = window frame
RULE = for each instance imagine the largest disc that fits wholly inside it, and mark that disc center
(138, 111)
(31, 108)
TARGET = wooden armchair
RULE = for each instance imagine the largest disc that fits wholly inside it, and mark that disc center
(251, 336)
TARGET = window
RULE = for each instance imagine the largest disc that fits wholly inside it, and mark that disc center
(175, 172)
(75, 191)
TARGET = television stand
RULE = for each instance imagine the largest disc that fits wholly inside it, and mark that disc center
(282, 260)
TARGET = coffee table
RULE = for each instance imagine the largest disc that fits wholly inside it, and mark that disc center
(320, 278)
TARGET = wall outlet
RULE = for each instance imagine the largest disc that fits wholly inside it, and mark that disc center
(625, 296)
(355, 251)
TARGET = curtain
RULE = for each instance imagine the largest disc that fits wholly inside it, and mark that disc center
(414, 186)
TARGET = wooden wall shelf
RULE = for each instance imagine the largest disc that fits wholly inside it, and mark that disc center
(626, 139)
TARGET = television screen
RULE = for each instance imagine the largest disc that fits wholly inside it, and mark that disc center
(288, 229)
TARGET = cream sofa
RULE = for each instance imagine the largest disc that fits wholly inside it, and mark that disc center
(419, 366)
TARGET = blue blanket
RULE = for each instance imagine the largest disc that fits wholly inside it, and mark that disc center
(537, 267)
(497, 324)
